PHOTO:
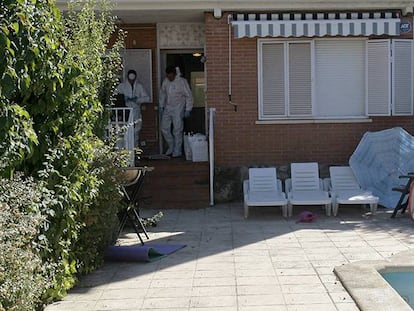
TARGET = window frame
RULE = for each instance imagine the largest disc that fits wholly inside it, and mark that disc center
(285, 43)
(365, 115)
(286, 117)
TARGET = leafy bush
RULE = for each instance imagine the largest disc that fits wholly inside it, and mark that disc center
(23, 275)
(101, 221)
(56, 77)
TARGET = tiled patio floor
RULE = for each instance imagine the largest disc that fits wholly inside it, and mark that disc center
(263, 263)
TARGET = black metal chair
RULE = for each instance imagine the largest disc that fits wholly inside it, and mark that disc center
(132, 193)
(405, 191)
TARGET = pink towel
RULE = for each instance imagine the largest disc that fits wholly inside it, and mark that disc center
(306, 216)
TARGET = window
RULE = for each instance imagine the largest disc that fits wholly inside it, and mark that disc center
(339, 78)
(390, 77)
(285, 79)
(334, 78)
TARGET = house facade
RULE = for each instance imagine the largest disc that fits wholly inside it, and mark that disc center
(289, 80)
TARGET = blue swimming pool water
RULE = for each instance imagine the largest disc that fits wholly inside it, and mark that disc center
(403, 283)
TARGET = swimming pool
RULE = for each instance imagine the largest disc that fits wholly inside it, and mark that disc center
(403, 282)
(380, 284)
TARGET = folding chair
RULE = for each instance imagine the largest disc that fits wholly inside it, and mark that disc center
(132, 190)
(405, 191)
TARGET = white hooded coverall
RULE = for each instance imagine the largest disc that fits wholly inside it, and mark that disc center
(175, 97)
(134, 96)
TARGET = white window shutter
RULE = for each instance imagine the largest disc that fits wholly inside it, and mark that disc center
(300, 79)
(378, 97)
(402, 70)
(340, 78)
(272, 81)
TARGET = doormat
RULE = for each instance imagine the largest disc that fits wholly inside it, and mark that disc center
(157, 157)
(141, 253)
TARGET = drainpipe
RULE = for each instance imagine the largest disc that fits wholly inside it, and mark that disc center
(229, 18)
(211, 152)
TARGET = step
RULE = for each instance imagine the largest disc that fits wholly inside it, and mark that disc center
(161, 205)
(176, 183)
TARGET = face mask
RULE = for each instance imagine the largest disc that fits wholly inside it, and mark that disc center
(131, 76)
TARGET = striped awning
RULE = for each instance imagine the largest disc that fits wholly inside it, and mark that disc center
(315, 24)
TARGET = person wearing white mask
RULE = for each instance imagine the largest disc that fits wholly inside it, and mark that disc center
(134, 95)
(176, 103)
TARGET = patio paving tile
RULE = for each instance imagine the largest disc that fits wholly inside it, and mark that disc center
(342, 297)
(171, 292)
(292, 264)
(84, 294)
(214, 282)
(303, 288)
(295, 271)
(124, 293)
(129, 284)
(213, 291)
(234, 308)
(122, 304)
(233, 264)
(263, 308)
(299, 279)
(167, 283)
(333, 286)
(215, 265)
(259, 272)
(162, 275)
(307, 298)
(218, 302)
(261, 300)
(258, 289)
(66, 305)
(316, 306)
(346, 307)
(156, 302)
(253, 280)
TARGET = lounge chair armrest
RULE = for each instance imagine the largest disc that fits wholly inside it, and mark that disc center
(279, 185)
(245, 186)
(327, 186)
(288, 184)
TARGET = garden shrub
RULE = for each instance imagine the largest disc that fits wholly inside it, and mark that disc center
(56, 77)
(101, 221)
(23, 275)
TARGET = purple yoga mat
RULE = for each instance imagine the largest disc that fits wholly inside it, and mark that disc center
(141, 253)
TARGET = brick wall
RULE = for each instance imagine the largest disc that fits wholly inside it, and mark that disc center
(144, 36)
(240, 142)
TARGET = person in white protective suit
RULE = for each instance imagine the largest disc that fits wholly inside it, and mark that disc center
(134, 95)
(176, 103)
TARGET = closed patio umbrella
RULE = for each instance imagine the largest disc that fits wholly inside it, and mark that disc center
(379, 159)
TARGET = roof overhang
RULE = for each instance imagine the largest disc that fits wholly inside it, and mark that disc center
(154, 11)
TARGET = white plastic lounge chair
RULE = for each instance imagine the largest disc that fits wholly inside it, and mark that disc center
(305, 187)
(345, 189)
(263, 189)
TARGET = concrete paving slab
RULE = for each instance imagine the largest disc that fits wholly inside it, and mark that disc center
(230, 263)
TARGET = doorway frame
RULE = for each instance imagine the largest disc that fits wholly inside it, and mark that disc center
(162, 64)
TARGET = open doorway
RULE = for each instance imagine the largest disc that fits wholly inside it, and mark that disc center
(192, 68)
(191, 65)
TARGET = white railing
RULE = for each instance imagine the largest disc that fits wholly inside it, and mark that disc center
(121, 123)
(211, 152)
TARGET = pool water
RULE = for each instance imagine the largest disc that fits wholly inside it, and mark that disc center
(403, 283)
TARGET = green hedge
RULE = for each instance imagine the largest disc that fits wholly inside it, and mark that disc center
(56, 78)
(24, 276)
